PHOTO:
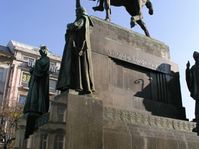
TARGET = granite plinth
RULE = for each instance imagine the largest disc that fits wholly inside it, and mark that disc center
(84, 122)
(90, 124)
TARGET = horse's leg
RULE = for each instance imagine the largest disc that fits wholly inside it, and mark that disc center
(149, 6)
(100, 7)
(108, 15)
(142, 25)
(108, 10)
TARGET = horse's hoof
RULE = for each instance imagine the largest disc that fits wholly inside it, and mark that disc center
(132, 24)
(98, 8)
(151, 11)
(107, 19)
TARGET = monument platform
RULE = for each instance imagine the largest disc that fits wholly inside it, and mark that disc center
(91, 125)
(137, 103)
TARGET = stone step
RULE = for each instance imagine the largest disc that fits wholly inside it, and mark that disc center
(138, 130)
(145, 119)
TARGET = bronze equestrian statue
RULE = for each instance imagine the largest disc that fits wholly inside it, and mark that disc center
(133, 7)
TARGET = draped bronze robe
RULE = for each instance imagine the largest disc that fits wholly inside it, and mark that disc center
(38, 95)
(37, 102)
(76, 70)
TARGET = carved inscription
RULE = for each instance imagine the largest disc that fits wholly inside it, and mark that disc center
(137, 61)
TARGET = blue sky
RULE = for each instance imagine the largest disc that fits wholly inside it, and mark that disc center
(35, 22)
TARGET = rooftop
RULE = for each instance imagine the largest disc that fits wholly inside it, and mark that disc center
(15, 45)
(5, 54)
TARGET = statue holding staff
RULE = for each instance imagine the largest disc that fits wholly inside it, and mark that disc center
(192, 79)
(76, 70)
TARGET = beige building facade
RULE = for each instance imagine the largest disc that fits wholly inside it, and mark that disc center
(50, 133)
(14, 78)
(6, 58)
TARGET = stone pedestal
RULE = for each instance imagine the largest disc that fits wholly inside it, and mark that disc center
(137, 104)
(92, 125)
(84, 122)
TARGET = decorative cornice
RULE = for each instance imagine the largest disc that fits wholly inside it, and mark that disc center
(5, 54)
(15, 45)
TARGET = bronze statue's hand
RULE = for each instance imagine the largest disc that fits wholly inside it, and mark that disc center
(188, 64)
(80, 53)
(31, 70)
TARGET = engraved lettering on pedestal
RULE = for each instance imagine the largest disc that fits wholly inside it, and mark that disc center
(134, 60)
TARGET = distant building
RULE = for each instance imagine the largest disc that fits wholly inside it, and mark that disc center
(6, 58)
(15, 61)
(51, 129)
(48, 136)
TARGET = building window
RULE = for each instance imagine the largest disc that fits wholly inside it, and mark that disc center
(43, 144)
(59, 142)
(1, 74)
(29, 60)
(22, 99)
(2, 83)
(53, 68)
(25, 79)
(61, 113)
(52, 85)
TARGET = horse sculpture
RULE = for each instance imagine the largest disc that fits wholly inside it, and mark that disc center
(133, 7)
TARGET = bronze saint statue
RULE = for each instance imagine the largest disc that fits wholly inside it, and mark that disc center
(76, 70)
(133, 7)
(37, 102)
(192, 79)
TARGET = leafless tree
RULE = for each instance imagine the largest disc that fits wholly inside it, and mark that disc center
(9, 115)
